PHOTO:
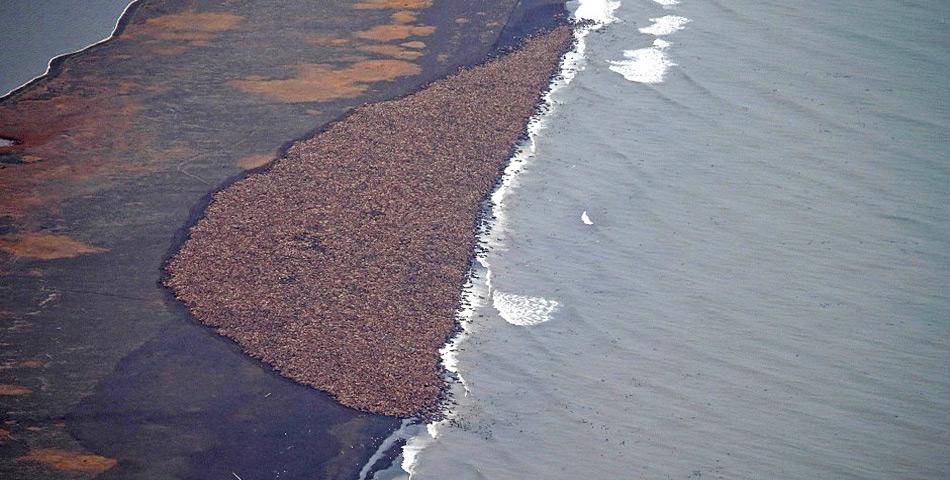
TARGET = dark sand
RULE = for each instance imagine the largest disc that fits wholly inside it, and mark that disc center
(118, 148)
(342, 264)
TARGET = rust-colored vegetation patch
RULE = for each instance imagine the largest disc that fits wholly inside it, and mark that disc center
(24, 364)
(393, 4)
(69, 131)
(404, 17)
(386, 33)
(196, 28)
(319, 82)
(254, 161)
(391, 51)
(342, 264)
(45, 246)
(67, 461)
(327, 40)
(8, 390)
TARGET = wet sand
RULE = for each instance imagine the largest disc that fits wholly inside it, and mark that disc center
(117, 149)
(342, 264)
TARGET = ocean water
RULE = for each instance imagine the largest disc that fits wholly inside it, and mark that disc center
(34, 32)
(725, 254)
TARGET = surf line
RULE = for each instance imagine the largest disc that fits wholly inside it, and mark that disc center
(589, 16)
(650, 64)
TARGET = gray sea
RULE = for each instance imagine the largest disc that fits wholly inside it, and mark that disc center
(726, 253)
(727, 257)
(35, 31)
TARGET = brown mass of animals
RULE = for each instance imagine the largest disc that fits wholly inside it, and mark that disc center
(341, 265)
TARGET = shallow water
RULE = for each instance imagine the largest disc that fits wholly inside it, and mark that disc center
(34, 32)
(762, 288)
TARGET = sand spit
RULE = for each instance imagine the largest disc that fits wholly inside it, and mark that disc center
(341, 265)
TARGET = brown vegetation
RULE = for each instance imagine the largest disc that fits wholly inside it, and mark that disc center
(8, 390)
(316, 82)
(404, 17)
(29, 364)
(393, 4)
(197, 28)
(45, 246)
(253, 161)
(386, 33)
(68, 461)
(60, 141)
(327, 40)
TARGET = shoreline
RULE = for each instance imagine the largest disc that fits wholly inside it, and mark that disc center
(98, 383)
(56, 62)
(490, 230)
(324, 242)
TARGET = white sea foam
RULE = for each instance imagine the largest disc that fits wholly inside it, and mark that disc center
(649, 65)
(601, 13)
(645, 65)
(598, 11)
(405, 431)
(586, 218)
(667, 3)
(665, 25)
(411, 450)
(521, 310)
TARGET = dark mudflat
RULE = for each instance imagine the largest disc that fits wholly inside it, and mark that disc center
(116, 150)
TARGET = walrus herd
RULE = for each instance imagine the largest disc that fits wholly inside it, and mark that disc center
(341, 265)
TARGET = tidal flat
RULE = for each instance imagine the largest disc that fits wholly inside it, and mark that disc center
(113, 154)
